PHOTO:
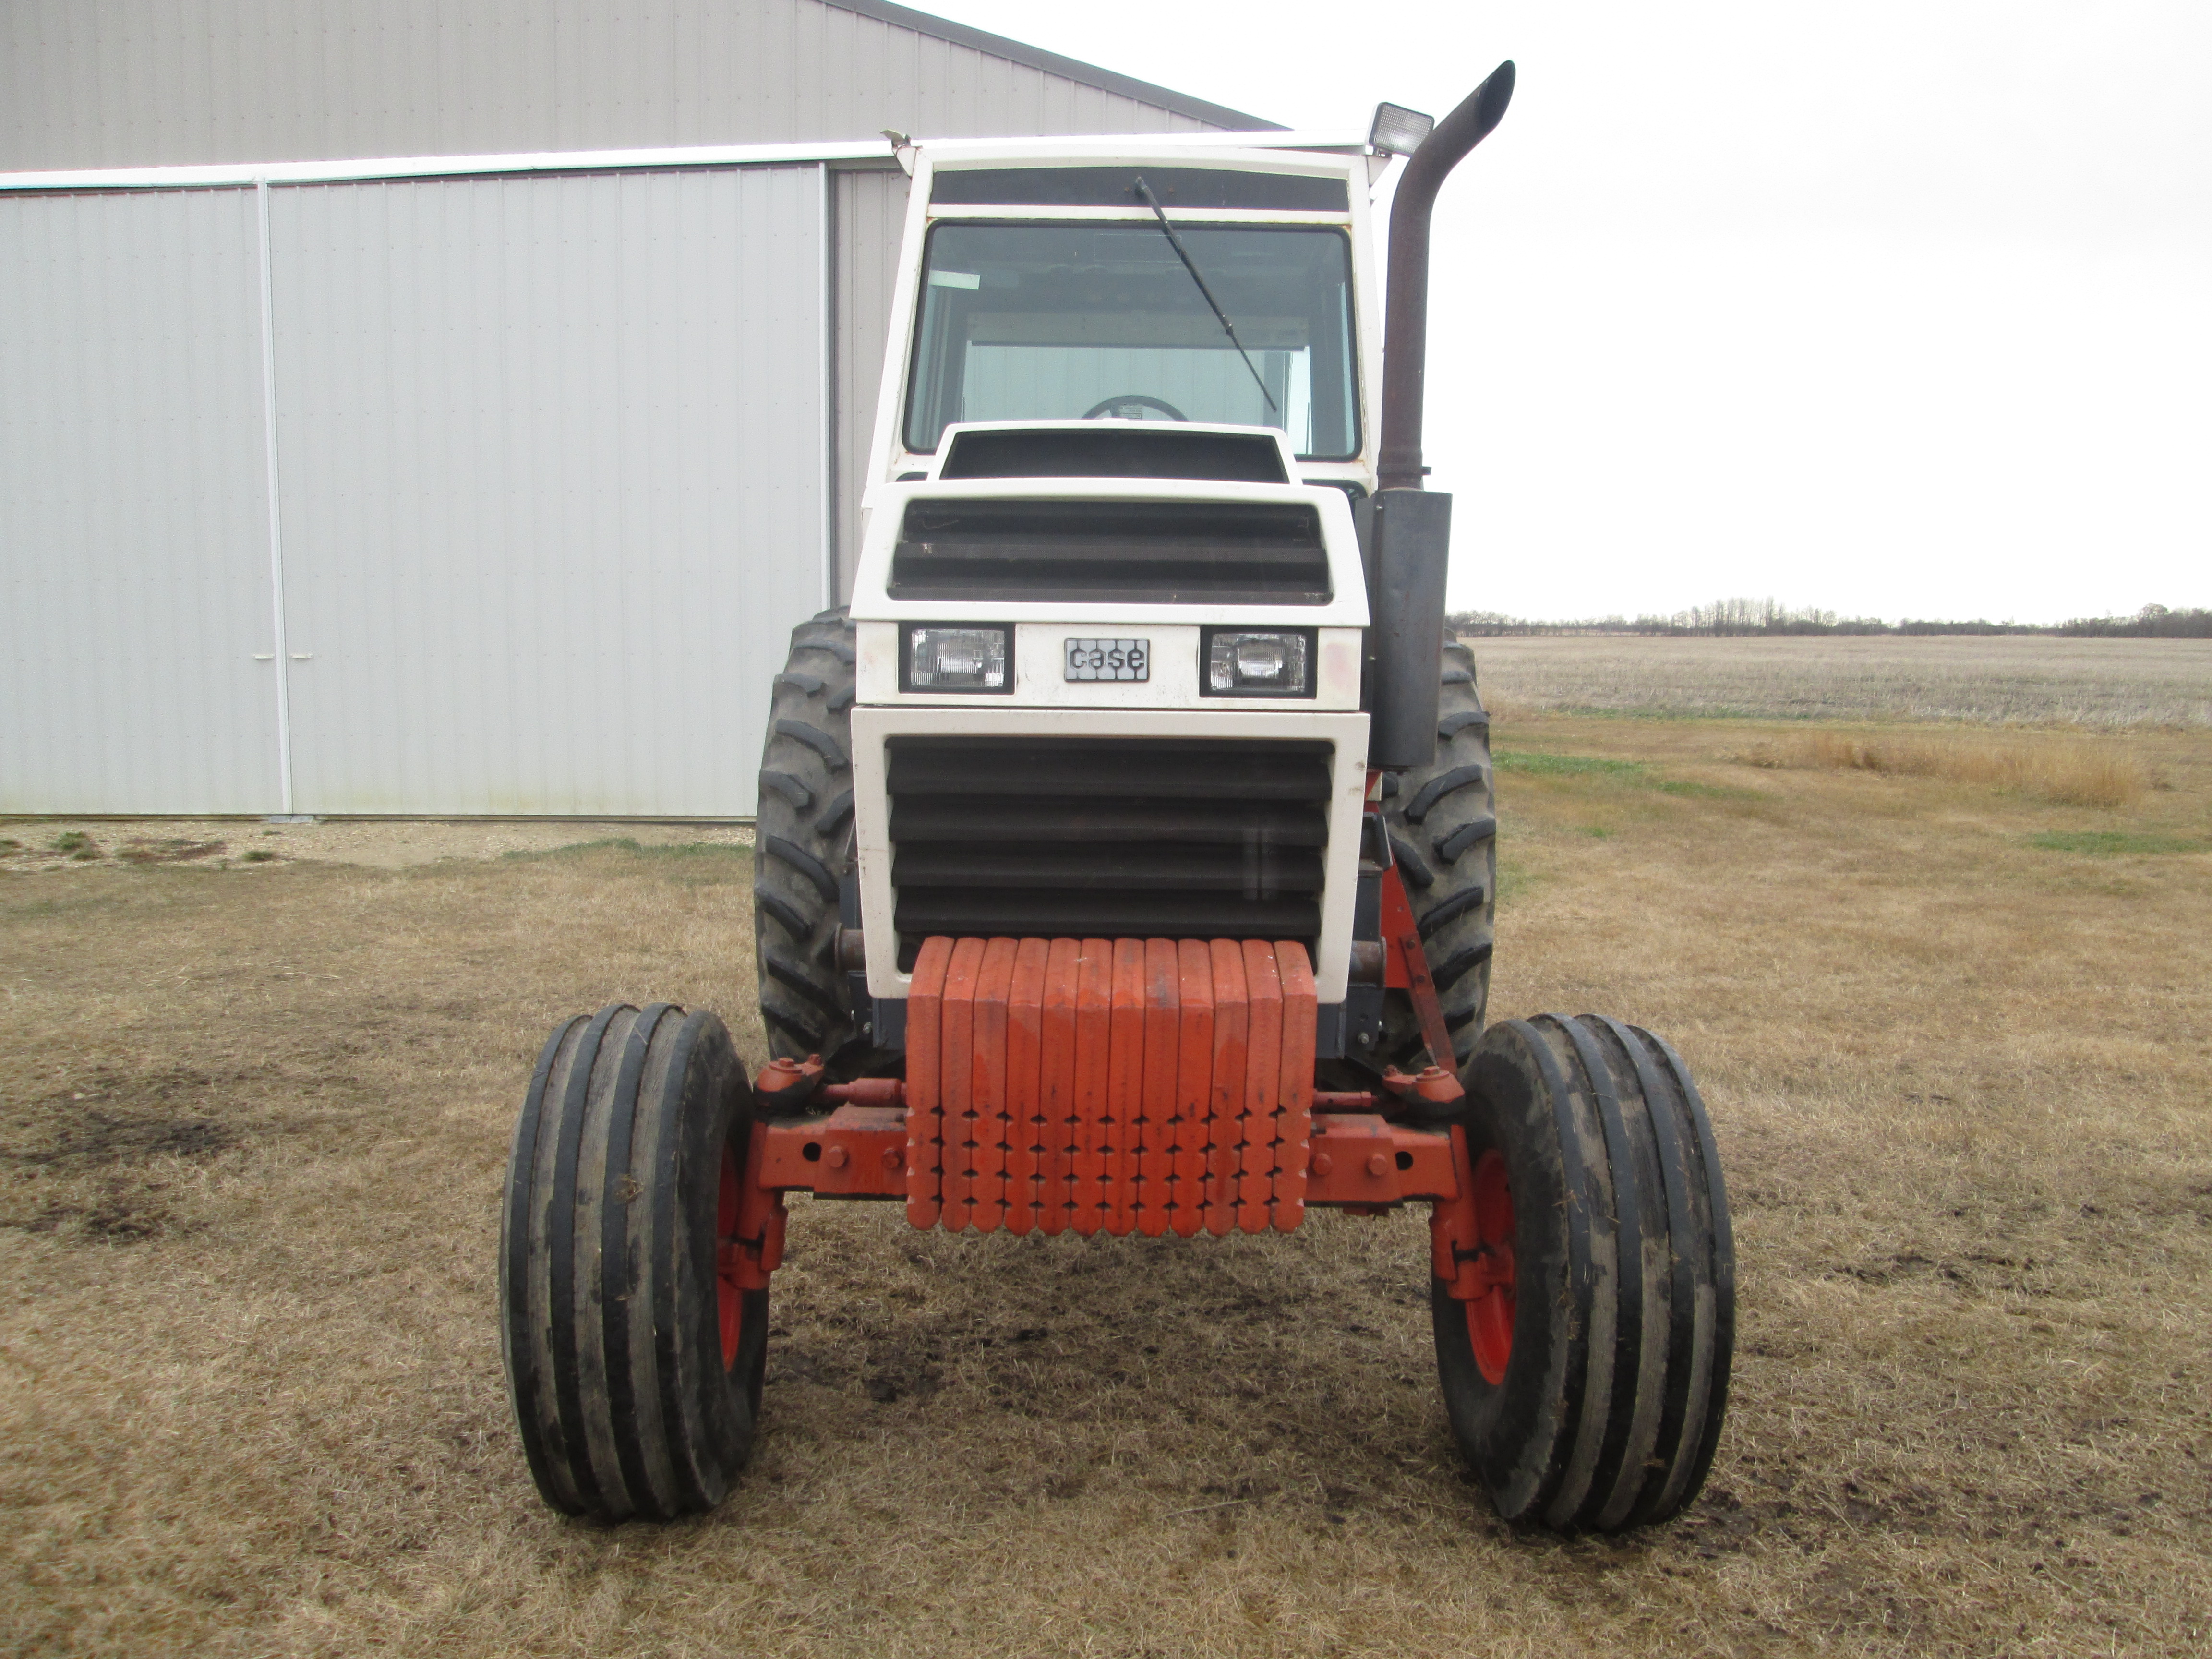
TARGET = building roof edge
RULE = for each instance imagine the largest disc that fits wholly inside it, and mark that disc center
(1070, 69)
(863, 153)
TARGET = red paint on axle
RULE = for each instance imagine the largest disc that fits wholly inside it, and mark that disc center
(866, 1091)
(1119, 1087)
(1405, 964)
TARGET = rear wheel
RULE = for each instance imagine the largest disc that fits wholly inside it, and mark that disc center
(634, 1362)
(1443, 821)
(1587, 1377)
(804, 849)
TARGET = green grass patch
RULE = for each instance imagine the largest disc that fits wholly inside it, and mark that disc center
(1514, 880)
(2108, 843)
(1689, 791)
(1539, 765)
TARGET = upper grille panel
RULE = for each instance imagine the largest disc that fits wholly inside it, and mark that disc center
(1108, 837)
(1114, 449)
(1118, 552)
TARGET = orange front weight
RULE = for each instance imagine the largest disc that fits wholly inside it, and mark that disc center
(1128, 1085)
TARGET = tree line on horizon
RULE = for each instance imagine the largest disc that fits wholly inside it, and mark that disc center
(1728, 618)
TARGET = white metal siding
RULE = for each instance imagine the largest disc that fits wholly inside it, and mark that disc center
(552, 451)
(871, 218)
(134, 547)
(129, 83)
(557, 454)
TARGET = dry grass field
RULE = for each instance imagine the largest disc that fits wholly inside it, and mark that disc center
(1957, 1041)
(2084, 772)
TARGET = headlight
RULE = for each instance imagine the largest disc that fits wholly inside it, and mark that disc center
(1256, 663)
(957, 658)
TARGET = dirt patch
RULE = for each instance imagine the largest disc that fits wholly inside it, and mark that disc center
(36, 845)
(97, 1139)
(97, 1163)
(169, 849)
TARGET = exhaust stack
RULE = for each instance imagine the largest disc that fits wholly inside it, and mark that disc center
(1412, 533)
(1406, 302)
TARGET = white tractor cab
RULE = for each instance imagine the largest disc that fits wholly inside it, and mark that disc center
(1125, 417)
(1125, 863)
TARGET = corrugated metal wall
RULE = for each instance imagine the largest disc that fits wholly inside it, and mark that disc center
(870, 218)
(142, 83)
(552, 462)
(558, 455)
(133, 543)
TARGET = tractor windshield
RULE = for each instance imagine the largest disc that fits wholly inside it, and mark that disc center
(1083, 319)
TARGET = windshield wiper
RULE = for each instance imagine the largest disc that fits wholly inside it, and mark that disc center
(1183, 254)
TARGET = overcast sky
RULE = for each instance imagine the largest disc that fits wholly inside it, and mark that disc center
(1893, 309)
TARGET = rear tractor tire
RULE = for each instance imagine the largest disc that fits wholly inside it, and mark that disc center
(1587, 1383)
(634, 1364)
(1442, 821)
(803, 850)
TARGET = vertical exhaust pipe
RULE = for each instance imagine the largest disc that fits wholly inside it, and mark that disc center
(1412, 536)
(1406, 302)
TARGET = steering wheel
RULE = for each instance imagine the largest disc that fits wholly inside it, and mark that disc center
(1119, 406)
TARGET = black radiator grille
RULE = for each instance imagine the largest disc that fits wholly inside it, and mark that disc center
(1134, 552)
(1106, 837)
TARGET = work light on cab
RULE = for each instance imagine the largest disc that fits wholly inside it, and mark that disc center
(1398, 131)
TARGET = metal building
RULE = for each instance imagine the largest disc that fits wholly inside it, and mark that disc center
(491, 480)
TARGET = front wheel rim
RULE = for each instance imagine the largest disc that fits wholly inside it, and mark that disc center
(1490, 1314)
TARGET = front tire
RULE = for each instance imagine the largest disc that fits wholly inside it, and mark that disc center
(1586, 1386)
(633, 1364)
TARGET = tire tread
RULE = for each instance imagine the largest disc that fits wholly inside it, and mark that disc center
(1635, 1260)
(807, 852)
(1455, 892)
(604, 1237)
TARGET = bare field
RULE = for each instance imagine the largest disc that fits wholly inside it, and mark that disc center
(1958, 1046)
(1992, 679)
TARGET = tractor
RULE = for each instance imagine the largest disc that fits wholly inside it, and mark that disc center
(1126, 862)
